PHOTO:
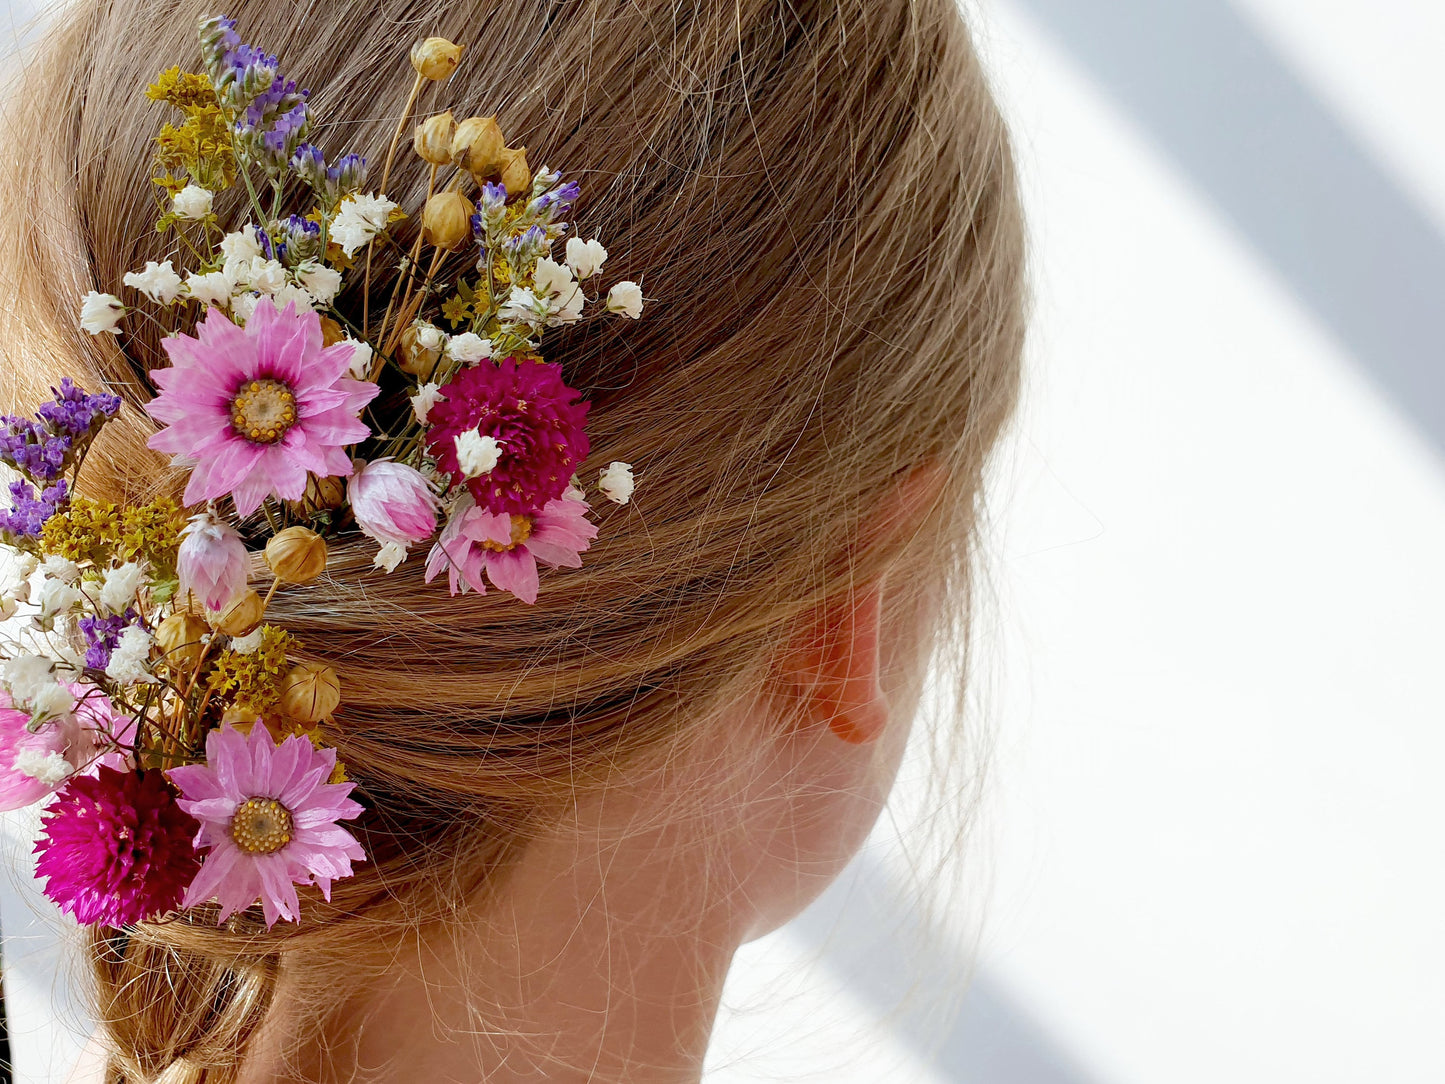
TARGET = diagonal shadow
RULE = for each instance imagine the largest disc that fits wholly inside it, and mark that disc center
(1217, 98)
(876, 943)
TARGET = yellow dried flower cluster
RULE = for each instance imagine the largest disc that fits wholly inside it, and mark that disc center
(253, 682)
(99, 532)
(201, 147)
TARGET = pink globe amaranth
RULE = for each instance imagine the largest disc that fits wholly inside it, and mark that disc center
(254, 410)
(116, 848)
(393, 502)
(534, 417)
(211, 562)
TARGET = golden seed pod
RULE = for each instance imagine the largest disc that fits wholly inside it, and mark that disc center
(331, 332)
(447, 220)
(179, 638)
(515, 174)
(432, 139)
(321, 494)
(435, 58)
(421, 348)
(296, 555)
(310, 693)
(240, 718)
(243, 616)
(477, 145)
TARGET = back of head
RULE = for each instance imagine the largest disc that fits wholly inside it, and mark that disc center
(821, 195)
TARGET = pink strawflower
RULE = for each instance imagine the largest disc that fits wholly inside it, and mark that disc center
(254, 409)
(269, 817)
(211, 562)
(393, 502)
(535, 418)
(508, 547)
(116, 848)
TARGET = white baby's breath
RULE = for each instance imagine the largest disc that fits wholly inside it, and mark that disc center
(477, 453)
(241, 245)
(625, 299)
(615, 482)
(49, 766)
(192, 202)
(358, 220)
(468, 348)
(129, 658)
(389, 556)
(100, 313)
(585, 258)
(121, 586)
(212, 288)
(158, 281)
(426, 397)
(321, 282)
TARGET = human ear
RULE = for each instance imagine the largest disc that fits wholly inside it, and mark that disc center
(835, 660)
(834, 665)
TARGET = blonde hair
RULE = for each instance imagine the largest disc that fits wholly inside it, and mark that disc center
(821, 194)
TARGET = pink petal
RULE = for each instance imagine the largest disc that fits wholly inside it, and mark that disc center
(514, 571)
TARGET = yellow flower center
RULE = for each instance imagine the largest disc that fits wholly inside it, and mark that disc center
(263, 410)
(261, 826)
(521, 531)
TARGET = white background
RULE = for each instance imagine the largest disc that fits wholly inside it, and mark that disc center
(1210, 844)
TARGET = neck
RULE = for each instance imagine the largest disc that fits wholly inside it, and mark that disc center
(595, 968)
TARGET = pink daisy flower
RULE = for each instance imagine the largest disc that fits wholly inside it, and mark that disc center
(508, 547)
(116, 848)
(255, 409)
(269, 817)
(532, 415)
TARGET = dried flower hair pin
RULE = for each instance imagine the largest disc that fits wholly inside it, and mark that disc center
(183, 742)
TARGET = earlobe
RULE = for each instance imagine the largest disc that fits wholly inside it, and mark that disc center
(836, 667)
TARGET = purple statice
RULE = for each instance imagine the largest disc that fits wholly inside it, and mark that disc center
(33, 449)
(330, 183)
(218, 41)
(491, 211)
(101, 635)
(76, 413)
(291, 241)
(27, 514)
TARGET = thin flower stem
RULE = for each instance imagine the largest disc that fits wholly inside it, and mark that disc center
(411, 267)
(385, 177)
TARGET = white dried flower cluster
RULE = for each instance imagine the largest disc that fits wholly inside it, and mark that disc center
(616, 482)
(158, 281)
(625, 299)
(426, 397)
(192, 202)
(121, 586)
(359, 219)
(49, 767)
(477, 453)
(129, 659)
(35, 686)
(389, 556)
(585, 258)
(468, 348)
(100, 313)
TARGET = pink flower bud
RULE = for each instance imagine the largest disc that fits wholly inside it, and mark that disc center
(211, 563)
(393, 502)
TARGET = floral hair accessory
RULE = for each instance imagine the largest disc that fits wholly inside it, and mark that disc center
(178, 736)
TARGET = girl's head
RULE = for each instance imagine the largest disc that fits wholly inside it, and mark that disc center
(821, 195)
